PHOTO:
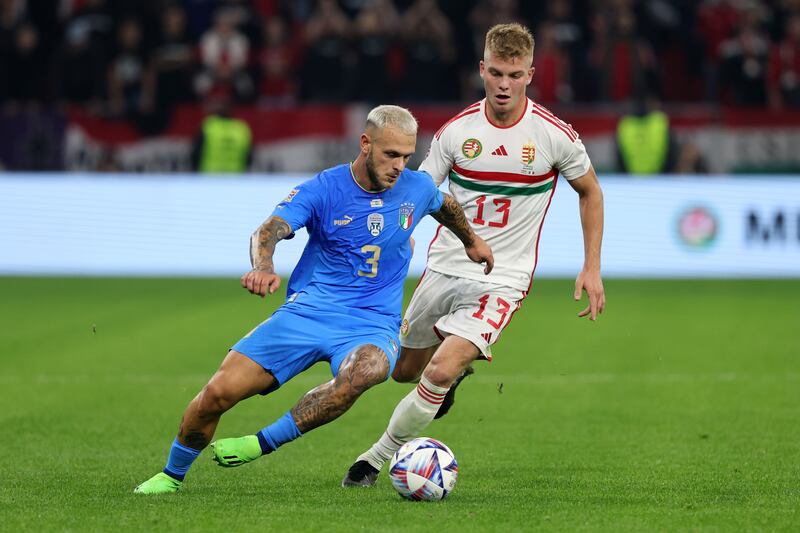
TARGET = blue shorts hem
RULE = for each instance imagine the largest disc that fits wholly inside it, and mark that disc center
(289, 343)
(272, 388)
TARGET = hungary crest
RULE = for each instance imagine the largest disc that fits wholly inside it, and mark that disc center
(528, 153)
(406, 215)
(471, 148)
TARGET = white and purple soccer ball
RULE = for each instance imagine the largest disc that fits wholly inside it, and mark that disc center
(423, 469)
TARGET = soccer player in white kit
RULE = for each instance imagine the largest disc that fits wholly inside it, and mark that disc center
(503, 156)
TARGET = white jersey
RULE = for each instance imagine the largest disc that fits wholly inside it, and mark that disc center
(504, 179)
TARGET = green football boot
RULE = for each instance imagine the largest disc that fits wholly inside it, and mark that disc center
(161, 483)
(236, 451)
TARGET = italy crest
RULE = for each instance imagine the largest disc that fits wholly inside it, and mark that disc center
(406, 215)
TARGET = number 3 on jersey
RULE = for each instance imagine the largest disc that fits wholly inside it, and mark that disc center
(375, 252)
(502, 205)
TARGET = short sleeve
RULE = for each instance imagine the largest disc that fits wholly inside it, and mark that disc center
(303, 205)
(572, 160)
(432, 193)
(439, 160)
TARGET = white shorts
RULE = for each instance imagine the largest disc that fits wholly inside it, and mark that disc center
(445, 305)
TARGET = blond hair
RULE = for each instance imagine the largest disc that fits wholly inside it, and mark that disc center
(508, 41)
(392, 115)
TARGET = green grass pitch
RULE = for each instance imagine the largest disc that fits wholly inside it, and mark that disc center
(679, 409)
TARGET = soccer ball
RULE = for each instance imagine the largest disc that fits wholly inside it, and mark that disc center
(423, 469)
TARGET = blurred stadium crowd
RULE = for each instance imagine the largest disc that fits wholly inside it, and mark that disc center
(136, 58)
(135, 85)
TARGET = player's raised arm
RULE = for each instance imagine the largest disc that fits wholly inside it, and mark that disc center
(591, 208)
(451, 216)
(262, 278)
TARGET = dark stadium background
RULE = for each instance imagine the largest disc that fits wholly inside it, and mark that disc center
(90, 85)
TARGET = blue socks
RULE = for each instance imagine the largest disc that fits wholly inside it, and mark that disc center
(270, 438)
(280, 432)
(180, 459)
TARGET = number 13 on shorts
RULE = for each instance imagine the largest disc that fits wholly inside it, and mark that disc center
(499, 311)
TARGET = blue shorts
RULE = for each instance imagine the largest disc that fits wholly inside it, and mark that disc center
(295, 337)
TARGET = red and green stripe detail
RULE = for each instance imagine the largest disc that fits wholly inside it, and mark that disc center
(504, 190)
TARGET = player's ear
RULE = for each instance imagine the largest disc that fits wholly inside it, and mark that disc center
(530, 75)
(482, 68)
(365, 143)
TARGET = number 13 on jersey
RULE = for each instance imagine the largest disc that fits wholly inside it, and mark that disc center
(501, 207)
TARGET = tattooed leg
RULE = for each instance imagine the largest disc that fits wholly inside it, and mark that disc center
(367, 366)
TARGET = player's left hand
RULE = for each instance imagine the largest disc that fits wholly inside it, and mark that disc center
(590, 281)
(480, 252)
(260, 282)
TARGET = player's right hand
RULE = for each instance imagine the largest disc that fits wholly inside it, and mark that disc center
(480, 252)
(591, 282)
(260, 282)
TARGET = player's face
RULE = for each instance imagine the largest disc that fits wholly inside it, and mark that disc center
(505, 81)
(389, 152)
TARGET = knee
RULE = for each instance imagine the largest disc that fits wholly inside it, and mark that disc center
(441, 375)
(450, 360)
(369, 367)
(214, 400)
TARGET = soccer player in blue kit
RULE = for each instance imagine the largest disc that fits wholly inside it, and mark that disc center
(343, 298)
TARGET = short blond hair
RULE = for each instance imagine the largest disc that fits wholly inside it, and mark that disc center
(392, 115)
(508, 41)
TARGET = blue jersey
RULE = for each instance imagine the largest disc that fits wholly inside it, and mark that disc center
(358, 251)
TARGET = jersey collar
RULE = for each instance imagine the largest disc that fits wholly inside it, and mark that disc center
(486, 114)
(353, 176)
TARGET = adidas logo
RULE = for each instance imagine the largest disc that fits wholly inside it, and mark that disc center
(500, 151)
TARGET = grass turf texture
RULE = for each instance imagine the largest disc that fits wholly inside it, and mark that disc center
(679, 409)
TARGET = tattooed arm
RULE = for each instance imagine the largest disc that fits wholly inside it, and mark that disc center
(262, 278)
(451, 216)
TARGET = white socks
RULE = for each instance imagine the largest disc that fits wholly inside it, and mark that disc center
(410, 417)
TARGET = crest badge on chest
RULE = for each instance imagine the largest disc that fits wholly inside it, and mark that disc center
(406, 218)
(528, 155)
(375, 224)
(471, 148)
